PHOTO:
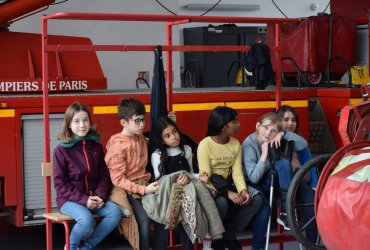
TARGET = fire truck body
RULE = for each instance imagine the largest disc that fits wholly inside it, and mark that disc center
(77, 76)
(22, 187)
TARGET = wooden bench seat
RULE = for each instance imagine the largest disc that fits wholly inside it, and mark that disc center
(59, 217)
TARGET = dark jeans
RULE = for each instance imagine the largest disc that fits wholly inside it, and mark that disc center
(143, 222)
(236, 218)
(260, 222)
(162, 235)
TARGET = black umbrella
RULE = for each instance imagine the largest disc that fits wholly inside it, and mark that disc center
(158, 100)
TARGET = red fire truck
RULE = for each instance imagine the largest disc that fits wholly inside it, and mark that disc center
(74, 74)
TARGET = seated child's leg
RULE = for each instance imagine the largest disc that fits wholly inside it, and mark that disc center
(222, 205)
(285, 174)
(85, 222)
(161, 237)
(112, 215)
(143, 222)
(260, 222)
(238, 220)
(185, 241)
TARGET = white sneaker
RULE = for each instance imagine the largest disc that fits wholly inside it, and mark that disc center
(207, 244)
(283, 220)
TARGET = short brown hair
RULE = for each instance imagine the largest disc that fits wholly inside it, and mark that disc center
(128, 107)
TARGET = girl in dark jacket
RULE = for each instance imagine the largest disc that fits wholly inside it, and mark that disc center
(81, 180)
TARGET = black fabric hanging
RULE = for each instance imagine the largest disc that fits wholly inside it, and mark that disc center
(158, 100)
(258, 61)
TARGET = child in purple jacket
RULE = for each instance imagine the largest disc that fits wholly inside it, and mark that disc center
(82, 181)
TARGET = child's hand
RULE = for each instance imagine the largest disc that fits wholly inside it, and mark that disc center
(182, 180)
(94, 202)
(203, 176)
(277, 140)
(99, 201)
(235, 198)
(245, 196)
(172, 116)
(152, 187)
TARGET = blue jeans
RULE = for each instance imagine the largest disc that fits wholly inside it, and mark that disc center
(283, 169)
(304, 156)
(85, 228)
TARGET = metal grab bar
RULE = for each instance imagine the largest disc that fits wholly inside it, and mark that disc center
(196, 74)
(240, 64)
(343, 61)
(290, 59)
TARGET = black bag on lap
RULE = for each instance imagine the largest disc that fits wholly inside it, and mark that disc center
(285, 151)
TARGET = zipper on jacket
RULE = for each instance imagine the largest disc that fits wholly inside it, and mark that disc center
(88, 169)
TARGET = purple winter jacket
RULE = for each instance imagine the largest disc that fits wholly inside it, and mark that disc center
(76, 175)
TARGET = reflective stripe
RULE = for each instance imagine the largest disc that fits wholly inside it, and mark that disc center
(102, 110)
(353, 101)
(7, 113)
(266, 104)
(211, 106)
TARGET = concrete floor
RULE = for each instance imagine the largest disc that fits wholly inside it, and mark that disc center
(33, 238)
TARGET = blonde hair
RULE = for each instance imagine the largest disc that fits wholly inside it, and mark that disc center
(269, 119)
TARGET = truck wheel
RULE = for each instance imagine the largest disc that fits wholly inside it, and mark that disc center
(295, 209)
(311, 78)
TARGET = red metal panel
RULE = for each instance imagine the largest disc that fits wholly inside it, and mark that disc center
(17, 8)
(68, 71)
(8, 159)
(331, 108)
(352, 9)
(308, 43)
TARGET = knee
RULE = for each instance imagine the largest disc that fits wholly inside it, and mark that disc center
(115, 213)
(143, 221)
(86, 220)
(283, 165)
(114, 209)
(222, 206)
(259, 202)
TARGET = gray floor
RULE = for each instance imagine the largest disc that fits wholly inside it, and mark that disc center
(33, 238)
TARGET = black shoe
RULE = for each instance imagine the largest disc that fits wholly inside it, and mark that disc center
(218, 244)
(233, 245)
(283, 220)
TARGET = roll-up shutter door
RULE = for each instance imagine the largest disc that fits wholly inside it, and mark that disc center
(33, 156)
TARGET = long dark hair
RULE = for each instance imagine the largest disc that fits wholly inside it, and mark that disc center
(220, 117)
(285, 108)
(157, 143)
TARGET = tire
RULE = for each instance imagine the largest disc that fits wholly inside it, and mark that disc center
(311, 78)
(293, 208)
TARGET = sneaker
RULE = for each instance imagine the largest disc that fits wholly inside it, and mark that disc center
(207, 244)
(283, 221)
